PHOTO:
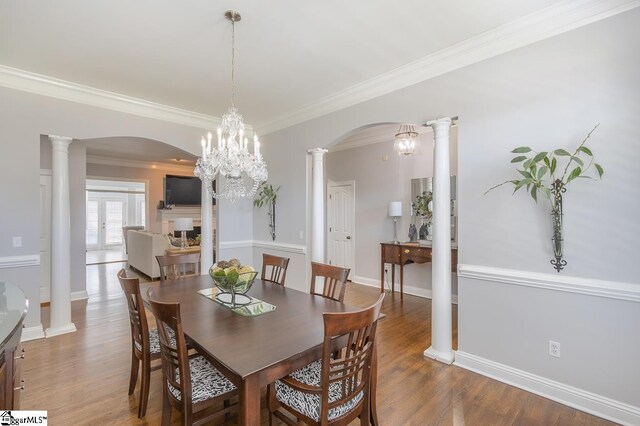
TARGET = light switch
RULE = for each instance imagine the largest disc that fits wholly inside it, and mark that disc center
(301, 235)
(17, 241)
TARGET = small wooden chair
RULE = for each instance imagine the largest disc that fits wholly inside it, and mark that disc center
(336, 389)
(334, 277)
(178, 266)
(191, 385)
(145, 346)
(274, 268)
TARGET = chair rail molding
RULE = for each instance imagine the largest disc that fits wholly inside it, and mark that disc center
(286, 247)
(589, 402)
(19, 261)
(589, 286)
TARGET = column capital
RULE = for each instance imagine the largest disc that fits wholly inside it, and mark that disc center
(62, 141)
(317, 151)
(439, 122)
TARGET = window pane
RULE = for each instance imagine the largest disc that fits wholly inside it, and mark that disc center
(92, 222)
(114, 221)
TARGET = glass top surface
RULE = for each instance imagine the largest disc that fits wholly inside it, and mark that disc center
(13, 306)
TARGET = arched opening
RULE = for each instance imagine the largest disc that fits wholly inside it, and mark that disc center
(362, 176)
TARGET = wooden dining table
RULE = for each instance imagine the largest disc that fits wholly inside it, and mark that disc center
(253, 351)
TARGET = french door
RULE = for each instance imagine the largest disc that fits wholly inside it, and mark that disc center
(105, 219)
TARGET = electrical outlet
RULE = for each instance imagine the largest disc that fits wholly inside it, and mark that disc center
(17, 241)
(554, 349)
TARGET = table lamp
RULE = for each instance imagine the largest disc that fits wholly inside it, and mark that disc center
(395, 211)
(183, 224)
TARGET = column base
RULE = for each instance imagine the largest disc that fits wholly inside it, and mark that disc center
(56, 331)
(444, 357)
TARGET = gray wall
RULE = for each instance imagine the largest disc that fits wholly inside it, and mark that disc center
(548, 95)
(24, 117)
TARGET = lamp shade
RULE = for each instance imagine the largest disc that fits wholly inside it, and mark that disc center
(395, 208)
(183, 224)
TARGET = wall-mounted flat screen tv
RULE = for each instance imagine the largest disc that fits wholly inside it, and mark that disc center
(182, 190)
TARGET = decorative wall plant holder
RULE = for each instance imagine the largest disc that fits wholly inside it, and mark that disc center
(267, 196)
(538, 174)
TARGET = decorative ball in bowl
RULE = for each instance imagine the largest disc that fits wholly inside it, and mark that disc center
(233, 280)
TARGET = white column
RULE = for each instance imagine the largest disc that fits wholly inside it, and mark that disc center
(206, 231)
(317, 205)
(441, 335)
(60, 239)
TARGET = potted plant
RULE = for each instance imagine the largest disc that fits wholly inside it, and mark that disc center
(540, 174)
(267, 196)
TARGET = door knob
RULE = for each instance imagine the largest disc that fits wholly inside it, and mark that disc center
(348, 237)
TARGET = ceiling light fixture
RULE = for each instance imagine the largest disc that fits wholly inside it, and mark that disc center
(406, 140)
(237, 173)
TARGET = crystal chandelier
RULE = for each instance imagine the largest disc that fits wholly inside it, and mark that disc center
(406, 140)
(229, 170)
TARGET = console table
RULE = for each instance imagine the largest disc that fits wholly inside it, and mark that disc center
(403, 254)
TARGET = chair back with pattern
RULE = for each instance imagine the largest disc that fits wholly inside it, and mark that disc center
(137, 316)
(335, 280)
(274, 268)
(178, 266)
(348, 349)
(174, 355)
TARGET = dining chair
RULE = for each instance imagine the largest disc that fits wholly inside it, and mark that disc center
(145, 346)
(337, 388)
(192, 385)
(335, 280)
(274, 268)
(178, 266)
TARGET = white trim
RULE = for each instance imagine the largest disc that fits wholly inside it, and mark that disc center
(32, 333)
(18, 79)
(138, 164)
(19, 261)
(79, 295)
(588, 286)
(408, 289)
(286, 247)
(52, 332)
(236, 244)
(556, 19)
(589, 402)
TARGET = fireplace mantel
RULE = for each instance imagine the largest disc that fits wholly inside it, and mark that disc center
(168, 216)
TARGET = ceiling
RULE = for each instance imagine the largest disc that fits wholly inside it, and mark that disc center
(290, 54)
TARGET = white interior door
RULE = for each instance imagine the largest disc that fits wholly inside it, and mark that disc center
(105, 219)
(341, 222)
(45, 237)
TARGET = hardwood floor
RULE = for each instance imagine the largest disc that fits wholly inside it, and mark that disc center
(82, 378)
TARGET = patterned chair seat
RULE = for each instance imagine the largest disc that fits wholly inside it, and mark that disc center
(154, 340)
(309, 404)
(206, 381)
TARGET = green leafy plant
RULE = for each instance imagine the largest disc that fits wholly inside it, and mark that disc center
(539, 171)
(267, 196)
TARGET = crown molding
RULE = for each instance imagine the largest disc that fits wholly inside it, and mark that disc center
(39, 84)
(119, 162)
(556, 19)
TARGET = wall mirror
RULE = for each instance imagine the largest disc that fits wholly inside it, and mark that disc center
(421, 227)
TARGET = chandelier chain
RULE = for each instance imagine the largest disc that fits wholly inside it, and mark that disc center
(233, 62)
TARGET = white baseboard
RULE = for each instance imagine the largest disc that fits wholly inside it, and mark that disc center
(79, 295)
(408, 289)
(582, 400)
(32, 333)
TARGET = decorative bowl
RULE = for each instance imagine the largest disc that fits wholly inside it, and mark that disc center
(231, 283)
